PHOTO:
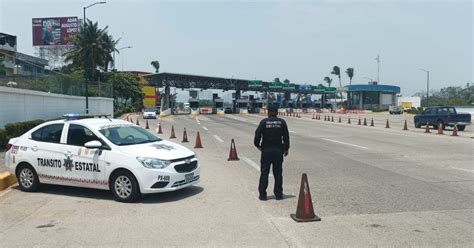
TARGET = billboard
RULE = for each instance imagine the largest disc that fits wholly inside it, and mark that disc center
(54, 30)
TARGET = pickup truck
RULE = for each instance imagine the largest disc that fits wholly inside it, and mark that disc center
(444, 116)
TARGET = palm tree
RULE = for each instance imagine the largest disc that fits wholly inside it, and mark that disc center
(110, 45)
(350, 74)
(156, 65)
(92, 49)
(328, 80)
(337, 71)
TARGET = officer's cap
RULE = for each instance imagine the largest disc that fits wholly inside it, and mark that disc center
(272, 108)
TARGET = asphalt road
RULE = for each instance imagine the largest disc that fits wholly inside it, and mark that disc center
(371, 186)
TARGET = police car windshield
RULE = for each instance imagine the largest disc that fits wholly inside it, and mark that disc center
(128, 135)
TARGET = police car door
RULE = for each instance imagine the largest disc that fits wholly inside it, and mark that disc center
(44, 149)
(84, 167)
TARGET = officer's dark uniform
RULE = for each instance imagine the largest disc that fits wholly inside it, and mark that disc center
(275, 142)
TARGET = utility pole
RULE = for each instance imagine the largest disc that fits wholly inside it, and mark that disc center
(85, 74)
(378, 68)
(427, 87)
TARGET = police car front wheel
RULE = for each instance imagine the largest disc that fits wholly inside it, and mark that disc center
(124, 186)
(27, 179)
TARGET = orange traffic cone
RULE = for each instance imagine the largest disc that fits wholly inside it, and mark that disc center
(387, 125)
(372, 122)
(198, 141)
(185, 137)
(440, 128)
(233, 152)
(138, 123)
(405, 126)
(173, 136)
(160, 131)
(304, 210)
(365, 121)
(427, 128)
(340, 119)
(359, 123)
(147, 127)
(455, 130)
(349, 120)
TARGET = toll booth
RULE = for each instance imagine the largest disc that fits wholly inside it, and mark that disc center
(257, 105)
(242, 106)
(218, 106)
(305, 104)
(194, 105)
(290, 104)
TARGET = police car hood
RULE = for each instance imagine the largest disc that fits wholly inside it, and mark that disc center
(161, 150)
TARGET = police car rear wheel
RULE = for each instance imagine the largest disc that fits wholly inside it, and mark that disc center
(125, 187)
(27, 179)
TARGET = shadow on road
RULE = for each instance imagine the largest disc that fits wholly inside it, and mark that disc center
(172, 196)
(107, 195)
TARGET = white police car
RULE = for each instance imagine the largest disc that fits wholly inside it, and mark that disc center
(100, 153)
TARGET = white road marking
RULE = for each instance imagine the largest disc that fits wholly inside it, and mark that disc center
(344, 143)
(198, 122)
(291, 131)
(205, 128)
(218, 138)
(461, 169)
(252, 163)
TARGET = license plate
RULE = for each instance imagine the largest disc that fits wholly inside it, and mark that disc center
(189, 177)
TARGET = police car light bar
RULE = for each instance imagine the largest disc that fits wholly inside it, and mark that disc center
(71, 116)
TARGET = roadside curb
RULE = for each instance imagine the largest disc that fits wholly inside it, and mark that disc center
(6, 180)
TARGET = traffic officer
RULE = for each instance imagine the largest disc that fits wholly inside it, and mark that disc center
(273, 140)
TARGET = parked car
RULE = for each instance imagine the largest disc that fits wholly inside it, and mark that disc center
(149, 113)
(100, 153)
(444, 116)
(228, 110)
(395, 110)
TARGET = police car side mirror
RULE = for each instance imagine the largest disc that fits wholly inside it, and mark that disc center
(93, 144)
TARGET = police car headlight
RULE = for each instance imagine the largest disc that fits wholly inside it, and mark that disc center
(153, 163)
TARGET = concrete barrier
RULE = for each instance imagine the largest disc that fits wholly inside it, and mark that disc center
(243, 111)
(6, 180)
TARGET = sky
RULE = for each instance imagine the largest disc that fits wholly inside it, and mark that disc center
(296, 40)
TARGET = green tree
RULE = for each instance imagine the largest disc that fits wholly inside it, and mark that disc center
(276, 80)
(286, 81)
(451, 95)
(127, 90)
(92, 49)
(156, 65)
(350, 74)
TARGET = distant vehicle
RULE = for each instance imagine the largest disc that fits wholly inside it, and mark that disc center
(149, 113)
(395, 110)
(100, 153)
(444, 116)
(228, 110)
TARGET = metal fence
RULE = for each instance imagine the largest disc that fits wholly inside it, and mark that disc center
(58, 83)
